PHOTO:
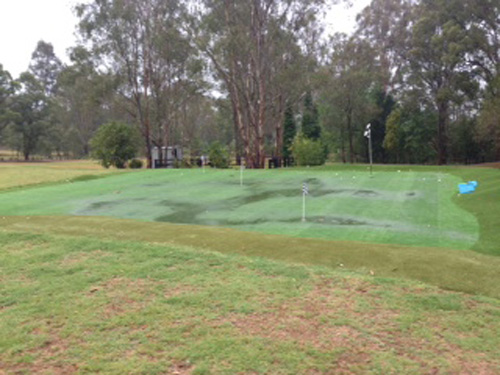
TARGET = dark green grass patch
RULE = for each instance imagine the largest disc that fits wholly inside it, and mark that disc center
(86, 306)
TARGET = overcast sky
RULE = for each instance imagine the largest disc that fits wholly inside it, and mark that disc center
(24, 22)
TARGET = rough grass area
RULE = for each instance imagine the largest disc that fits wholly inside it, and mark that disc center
(84, 306)
(409, 208)
(15, 175)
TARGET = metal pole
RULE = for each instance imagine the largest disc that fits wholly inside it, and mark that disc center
(241, 174)
(371, 155)
(303, 207)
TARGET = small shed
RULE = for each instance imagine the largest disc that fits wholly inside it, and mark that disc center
(169, 157)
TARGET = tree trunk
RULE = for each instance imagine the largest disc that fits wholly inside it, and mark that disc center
(442, 139)
(342, 144)
(279, 137)
(351, 137)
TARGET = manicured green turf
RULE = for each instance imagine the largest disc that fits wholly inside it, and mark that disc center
(76, 305)
(485, 205)
(410, 208)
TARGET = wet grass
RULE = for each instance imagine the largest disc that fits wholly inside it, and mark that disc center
(84, 305)
(411, 208)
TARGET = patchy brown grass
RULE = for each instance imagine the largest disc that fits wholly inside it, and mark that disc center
(330, 319)
(180, 368)
(50, 357)
(125, 295)
(78, 258)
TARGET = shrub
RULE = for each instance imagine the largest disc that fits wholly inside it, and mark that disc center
(218, 156)
(135, 164)
(114, 144)
(186, 163)
(308, 152)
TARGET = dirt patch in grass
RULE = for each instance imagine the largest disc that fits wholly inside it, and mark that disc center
(49, 358)
(125, 295)
(77, 258)
(181, 368)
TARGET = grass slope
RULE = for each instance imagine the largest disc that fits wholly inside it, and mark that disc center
(85, 306)
(410, 208)
(465, 271)
(484, 205)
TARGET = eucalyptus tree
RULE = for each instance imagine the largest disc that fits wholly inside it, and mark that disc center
(145, 44)
(410, 134)
(45, 67)
(258, 50)
(310, 119)
(289, 131)
(385, 24)
(428, 47)
(7, 90)
(31, 106)
(481, 20)
(437, 59)
(85, 98)
(349, 78)
(488, 127)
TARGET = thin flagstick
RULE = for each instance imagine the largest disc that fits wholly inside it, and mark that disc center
(368, 134)
(241, 174)
(371, 154)
(303, 207)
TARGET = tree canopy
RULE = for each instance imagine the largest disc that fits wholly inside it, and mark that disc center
(244, 74)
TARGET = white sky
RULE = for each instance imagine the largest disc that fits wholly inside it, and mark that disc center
(24, 22)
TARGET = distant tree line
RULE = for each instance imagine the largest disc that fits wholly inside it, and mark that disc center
(260, 79)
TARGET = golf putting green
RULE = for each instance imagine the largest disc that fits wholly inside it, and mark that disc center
(409, 208)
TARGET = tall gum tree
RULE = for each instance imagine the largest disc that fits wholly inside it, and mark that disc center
(253, 46)
(32, 111)
(439, 47)
(426, 49)
(349, 77)
(84, 97)
(145, 43)
(7, 90)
